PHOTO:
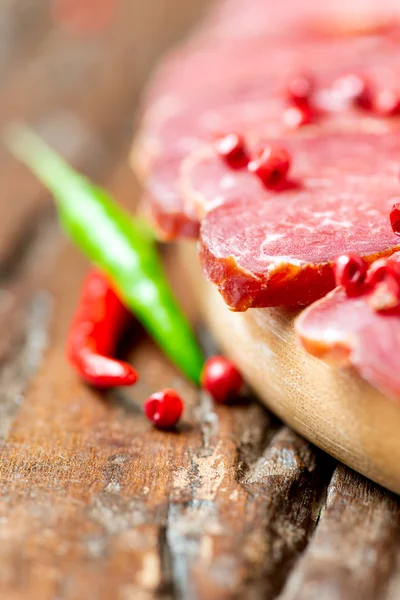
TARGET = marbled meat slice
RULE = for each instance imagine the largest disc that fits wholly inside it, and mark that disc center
(347, 332)
(237, 89)
(206, 181)
(233, 83)
(163, 202)
(268, 248)
(172, 218)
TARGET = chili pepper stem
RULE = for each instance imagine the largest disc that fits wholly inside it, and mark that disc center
(117, 244)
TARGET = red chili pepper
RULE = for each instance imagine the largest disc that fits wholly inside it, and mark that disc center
(221, 379)
(232, 149)
(97, 325)
(164, 408)
(350, 272)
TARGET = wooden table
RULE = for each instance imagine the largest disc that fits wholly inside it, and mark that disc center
(94, 503)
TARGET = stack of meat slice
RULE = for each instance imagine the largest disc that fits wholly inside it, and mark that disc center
(267, 247)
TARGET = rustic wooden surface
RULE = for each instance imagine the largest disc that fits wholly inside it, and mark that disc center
(94, 503)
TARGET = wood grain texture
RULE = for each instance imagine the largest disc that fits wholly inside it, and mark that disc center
(338, 565)
(95, 503)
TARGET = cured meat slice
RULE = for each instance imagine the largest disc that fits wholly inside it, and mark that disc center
(237, 89)
(206, 181)
(163, 202)
(233, 17)
(231, 82)
(171, 218)
(347, 332)
(228, 32)
(264, 248)
(235, 41)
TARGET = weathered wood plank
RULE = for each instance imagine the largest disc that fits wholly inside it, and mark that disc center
(290, 479)
(24, 305)
(355, 546)
(25, 310)
(22, 25)
(194, 512)
(62, 469)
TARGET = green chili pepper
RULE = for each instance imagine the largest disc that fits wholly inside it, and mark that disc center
(119, 245)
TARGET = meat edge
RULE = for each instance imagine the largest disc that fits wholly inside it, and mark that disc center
(285, 284)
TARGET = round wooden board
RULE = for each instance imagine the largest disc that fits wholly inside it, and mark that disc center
(332, 407)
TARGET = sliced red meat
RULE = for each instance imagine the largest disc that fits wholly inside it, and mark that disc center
(206, 181)
(239, 89)
(234, 19)
(229, 31)
(347, 332)
(214, 89)
(163, 201)
(172, 219)
(234, 41)
(267, 248)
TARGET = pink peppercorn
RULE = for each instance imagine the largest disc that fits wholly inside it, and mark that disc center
(221, 379)
(164, 408)
(271, 164)
(232, 149)
(350, 272)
